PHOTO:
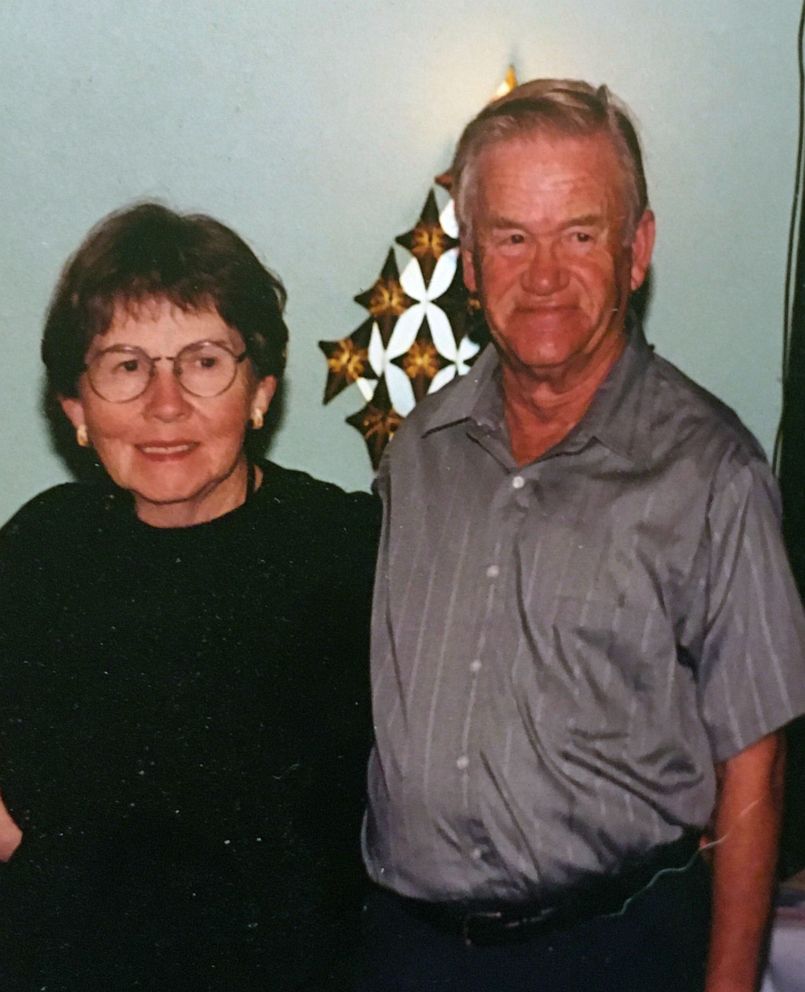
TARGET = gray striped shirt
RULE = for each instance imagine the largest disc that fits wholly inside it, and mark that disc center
(562, 651)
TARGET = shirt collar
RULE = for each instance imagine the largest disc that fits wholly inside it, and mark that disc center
(615, 417)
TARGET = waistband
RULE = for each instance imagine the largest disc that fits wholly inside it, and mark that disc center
(484, 924)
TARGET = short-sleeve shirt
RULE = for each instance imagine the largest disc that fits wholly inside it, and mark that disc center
(562, 651)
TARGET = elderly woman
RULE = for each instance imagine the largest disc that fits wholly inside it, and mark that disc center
(183, 707)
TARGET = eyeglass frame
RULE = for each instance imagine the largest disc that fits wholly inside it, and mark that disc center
(152, 363)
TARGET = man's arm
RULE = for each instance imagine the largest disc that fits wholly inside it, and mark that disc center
(747, 826)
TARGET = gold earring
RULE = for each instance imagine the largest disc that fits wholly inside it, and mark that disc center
(257, 418)
(81, 436)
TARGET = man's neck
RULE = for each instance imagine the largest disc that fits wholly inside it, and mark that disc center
(541, 410)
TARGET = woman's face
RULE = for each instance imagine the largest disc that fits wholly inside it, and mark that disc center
(180, 455)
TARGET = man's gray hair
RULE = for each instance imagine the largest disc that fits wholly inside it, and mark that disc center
(553, 107)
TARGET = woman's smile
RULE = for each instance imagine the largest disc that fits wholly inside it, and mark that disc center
(181, 455)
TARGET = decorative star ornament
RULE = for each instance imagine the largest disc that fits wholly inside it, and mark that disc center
(377, 422)
(427, 240)
(422, 362)
(386, 301)
(348, 360)
(423, 328)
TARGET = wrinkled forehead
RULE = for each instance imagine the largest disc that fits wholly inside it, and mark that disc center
(552, 169)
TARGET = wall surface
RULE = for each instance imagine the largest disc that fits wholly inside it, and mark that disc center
(314, 128)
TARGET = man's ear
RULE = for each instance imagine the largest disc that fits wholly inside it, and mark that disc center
(642, 249)
(73, 410)
(468, 269)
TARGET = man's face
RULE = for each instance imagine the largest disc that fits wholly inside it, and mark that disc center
(551, 257)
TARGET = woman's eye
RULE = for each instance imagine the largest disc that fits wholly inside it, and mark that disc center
(129, 365)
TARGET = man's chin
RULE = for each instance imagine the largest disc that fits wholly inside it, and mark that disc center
(538, 347)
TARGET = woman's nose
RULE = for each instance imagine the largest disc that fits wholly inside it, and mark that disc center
(165, 399)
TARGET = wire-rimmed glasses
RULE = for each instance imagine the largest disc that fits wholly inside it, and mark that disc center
(124, 372)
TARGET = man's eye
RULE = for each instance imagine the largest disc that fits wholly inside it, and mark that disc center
(581, 237)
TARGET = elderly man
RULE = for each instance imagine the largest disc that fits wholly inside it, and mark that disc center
(586, 637)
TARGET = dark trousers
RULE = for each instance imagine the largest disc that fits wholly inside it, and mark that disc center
(657, 943)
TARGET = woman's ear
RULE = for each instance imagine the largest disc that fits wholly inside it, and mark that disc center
(264, 394)
(73, 410)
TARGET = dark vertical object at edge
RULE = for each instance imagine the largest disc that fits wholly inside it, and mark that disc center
(790, 465)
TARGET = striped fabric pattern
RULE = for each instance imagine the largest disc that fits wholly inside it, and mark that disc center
(562, 651)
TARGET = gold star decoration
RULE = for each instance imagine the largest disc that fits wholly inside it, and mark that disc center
(377, 422)
(509, 82)
(347, 360)
(427, 240)
(386, 300)
(422, 361)
(463, 311)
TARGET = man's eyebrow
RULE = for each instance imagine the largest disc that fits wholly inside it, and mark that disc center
(503, 223)
(585, 220)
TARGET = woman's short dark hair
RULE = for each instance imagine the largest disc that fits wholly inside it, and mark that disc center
(146, 253)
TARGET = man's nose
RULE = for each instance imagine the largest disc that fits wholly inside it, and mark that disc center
(545, 272)
(165, 398)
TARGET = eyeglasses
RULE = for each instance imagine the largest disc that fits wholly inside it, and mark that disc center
(122, 372)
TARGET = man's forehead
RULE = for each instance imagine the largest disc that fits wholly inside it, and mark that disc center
(537, 166)
(552, 147)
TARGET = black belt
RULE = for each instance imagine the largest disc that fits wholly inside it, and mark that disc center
(484, 924)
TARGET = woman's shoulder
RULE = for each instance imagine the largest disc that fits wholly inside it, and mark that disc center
(316, 521)
(65, 507)
(305, 493)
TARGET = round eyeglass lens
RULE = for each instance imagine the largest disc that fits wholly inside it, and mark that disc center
(120, 374)
(205, 369)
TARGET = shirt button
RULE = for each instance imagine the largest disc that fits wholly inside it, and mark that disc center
(462, 762)
(475, 665)
(518, 482)
(492, 572)
(476, 854)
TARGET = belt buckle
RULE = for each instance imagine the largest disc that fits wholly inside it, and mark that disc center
(498, 927)
(472, 927)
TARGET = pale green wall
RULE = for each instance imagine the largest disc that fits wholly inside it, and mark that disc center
(314, 128)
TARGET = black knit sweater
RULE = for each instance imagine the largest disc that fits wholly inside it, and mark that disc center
(184, 723)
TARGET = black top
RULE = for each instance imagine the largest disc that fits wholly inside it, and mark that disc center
(184, 722)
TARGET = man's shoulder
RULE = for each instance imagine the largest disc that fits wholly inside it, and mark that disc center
(407, 445)
(686, 415)
(452, 403)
